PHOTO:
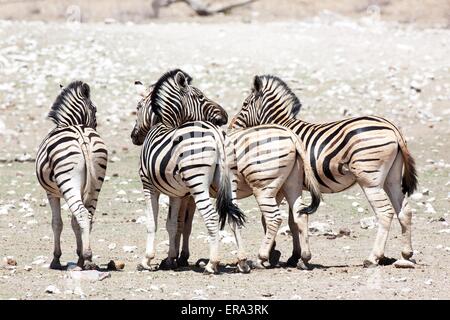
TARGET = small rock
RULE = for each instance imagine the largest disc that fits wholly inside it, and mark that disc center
(345, 231)
(416, 196)
(112, 246)
(368, 223)
(10, 261)
(129, 249)
(428, 282)
(27, 268)
(425, 192)
(51, 289)
(404, 264)
(319, 228)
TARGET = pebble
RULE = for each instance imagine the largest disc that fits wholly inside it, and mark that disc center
(89, 275)
(27, 268)
(404, 264)
(368, 223)
(51, 289)
(319, 228)
(428, 282)
(345, 231)
(129, 249)
(10, 261)
(112, 246)
(39, 260)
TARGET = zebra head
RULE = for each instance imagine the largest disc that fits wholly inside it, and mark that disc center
(175, 101)
(145, 117)
(73, 106)
(270, 101)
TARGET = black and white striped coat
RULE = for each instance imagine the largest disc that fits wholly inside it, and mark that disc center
(368, 150)
(181, 156)
(71, 164)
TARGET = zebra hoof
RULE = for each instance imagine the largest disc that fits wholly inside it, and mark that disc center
(243, 266)
(302, 265)
(168, 264)
(274, 258)
(407, 254)
(55, 265)
(292, 261)
(182, 262)
(211, 269)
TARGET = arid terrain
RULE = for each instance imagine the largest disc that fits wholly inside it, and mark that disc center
(339, 67)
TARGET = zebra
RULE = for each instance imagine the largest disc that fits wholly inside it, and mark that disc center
(368, 150)
(71, 164)
(183, 156)
(266, 161)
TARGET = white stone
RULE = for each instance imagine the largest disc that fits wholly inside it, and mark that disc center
(404, 264)
(129, 249)
(368, 223)
(51, 289)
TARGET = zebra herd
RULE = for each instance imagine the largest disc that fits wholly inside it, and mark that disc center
(186, 155)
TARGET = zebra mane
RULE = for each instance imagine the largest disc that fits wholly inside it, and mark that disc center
(159, 88)
(69, 108)
(296, 104)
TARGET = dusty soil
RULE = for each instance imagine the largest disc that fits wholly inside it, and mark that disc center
(338, 67)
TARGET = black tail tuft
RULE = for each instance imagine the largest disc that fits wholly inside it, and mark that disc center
(230, 210)
(225, 205)
(409, 180)
(315, 202)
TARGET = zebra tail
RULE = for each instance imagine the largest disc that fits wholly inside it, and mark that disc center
(90, 171)
(409, 179)
(310, 179)
(224, 203)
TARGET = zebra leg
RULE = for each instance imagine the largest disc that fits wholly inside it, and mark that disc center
(57, 226)
(382, 207)
(292, 190)
(77, 231)
(211, 218)
(274, 255)
(189, 216)
(393, 187)
(152, 200)
(242, 265)
(272, 217)
(172, 229)
(296, 250)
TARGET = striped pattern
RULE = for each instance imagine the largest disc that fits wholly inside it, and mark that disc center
(71, 164)
(369, 151)
(267, 162)
(181, 158)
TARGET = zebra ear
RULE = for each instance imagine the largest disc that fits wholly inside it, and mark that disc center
(86, 90)
(181, 80)
(257, 83)
(140, 88)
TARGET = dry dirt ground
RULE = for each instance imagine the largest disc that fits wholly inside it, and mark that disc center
(338, 67)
